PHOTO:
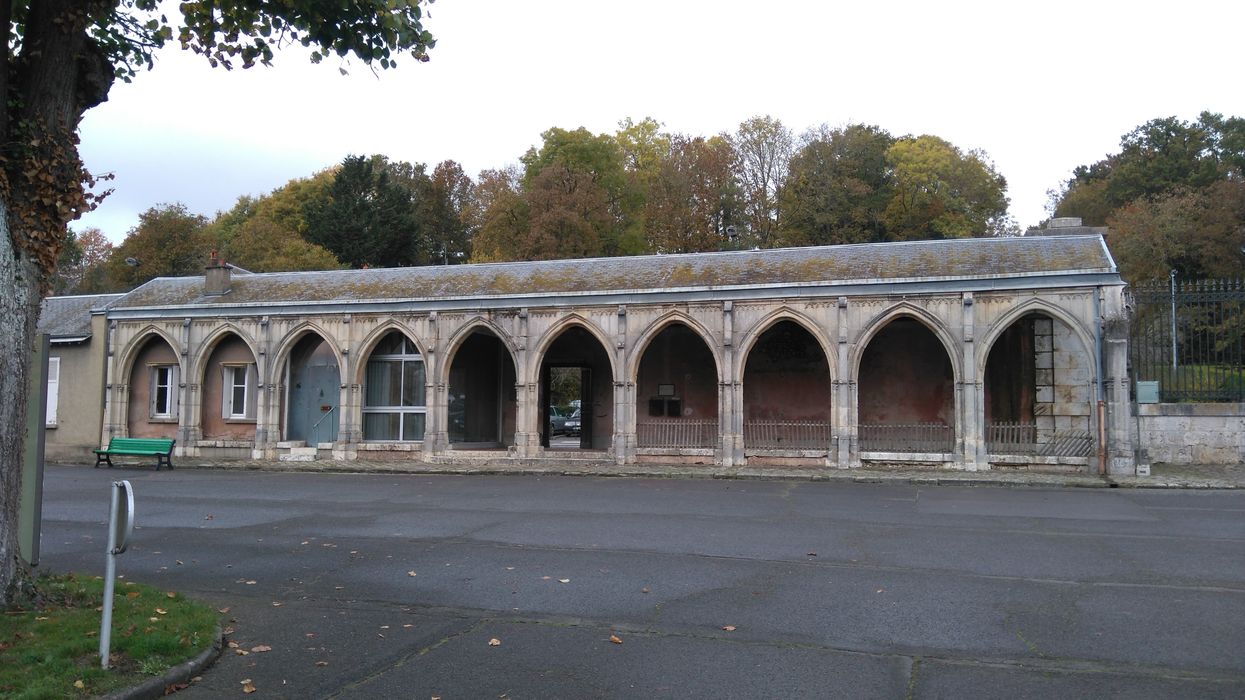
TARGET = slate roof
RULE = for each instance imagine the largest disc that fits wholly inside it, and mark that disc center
(70, 317)
(816, 266)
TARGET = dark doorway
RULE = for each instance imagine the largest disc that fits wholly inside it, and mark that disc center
(577, 350)
(906, 391)
(677, 392)
(481, 393)
(787, 391)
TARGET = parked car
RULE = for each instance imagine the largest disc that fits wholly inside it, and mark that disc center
(572, 424)
(557, 421)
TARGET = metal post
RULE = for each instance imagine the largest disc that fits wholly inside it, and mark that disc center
(1172, 275)
(120, 526)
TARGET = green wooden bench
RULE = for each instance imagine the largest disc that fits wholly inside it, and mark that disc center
(160, 448)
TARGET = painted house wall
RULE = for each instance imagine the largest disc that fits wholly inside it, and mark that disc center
(81, 397)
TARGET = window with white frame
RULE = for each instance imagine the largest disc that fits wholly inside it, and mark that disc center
(163, 400)
(238, 391)
(54, 383)
(394, 406)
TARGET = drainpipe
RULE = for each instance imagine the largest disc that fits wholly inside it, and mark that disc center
(1102, 394)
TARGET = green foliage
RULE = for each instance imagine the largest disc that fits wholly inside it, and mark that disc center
(942, 192)
(46, 648)
(265, 234)
(1172, 197)
(375, 214)
(450, 206)
(169, 241)
(838, 187)
(763, 148)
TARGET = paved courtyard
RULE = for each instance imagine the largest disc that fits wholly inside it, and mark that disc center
(377, 585)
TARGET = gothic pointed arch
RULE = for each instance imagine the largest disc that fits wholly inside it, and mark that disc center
(570, 320)
(783, 313)
(660, 324)
(931, 322)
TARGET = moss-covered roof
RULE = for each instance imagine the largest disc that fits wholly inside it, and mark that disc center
(70, 317)
(827, 265)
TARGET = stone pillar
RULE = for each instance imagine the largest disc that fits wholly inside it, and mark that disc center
(624, 444)
(527, 396)
(730, 397)
(265, 430)
(1121, 459)
(188, 399)
(843, 394)
(971, 417)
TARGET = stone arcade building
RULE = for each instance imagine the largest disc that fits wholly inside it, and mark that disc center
(969, 354)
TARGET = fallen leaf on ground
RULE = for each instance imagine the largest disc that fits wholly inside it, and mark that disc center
(261, 648)
(79, 684)
(644, 590)
(132, 594)
(564, 580)
(241, 652)
(232, 644)
(812, 554)
(208, 517)
(248, 687)
(728, 628)
(881, 590)
(276, 604)
(322, 663)
(179, 562)
(494, 642)
(410, 573)
(614, 638)
(545, 578)
(171, 594)
(407, 626)
(161, 611)
(223, 611)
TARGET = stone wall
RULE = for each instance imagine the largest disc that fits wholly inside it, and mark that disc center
(1192, 433)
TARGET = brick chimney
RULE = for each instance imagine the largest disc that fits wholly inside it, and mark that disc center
(216, 277)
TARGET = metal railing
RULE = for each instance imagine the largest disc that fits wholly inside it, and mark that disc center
(911, 437)
(314, 433)
(1018, 438)
(1189, 336)
(677, 432)
(787, 434)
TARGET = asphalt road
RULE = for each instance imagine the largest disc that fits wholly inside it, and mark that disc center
(393, 586)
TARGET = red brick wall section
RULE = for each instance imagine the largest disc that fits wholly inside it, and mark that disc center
(906, 377)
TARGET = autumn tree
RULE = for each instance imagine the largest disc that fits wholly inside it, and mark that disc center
(943, 192)
(838, 187)
(763, 147)
(60, 59)
(169, 241)
(693, 197)
(1171, 197)
(499, 216)
(266, 233)
(80, 268)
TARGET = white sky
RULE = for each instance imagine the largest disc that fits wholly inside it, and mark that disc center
(1041, 87)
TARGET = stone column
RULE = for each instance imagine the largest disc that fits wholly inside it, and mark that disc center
(624, 390)
(265, 430)
(730, 397)
(1121, 458)
(843, 393)
(971, 417)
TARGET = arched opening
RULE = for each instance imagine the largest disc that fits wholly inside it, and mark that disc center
(394, 391)
(787, 390)
(906, 391)
(1038, 391)
(155, 376)
(576, 365)
(677, 392)
(312, 392)
(230, 391)
(482, 408)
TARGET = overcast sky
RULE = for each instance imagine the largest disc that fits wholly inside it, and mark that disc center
(1041, 87)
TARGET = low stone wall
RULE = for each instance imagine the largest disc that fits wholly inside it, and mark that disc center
(1192, 433)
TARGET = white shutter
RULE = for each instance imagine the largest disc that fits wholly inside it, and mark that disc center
(54, 381)
(153, 381)
(226, 391)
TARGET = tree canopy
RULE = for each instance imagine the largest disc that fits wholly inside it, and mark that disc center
(1171, 197)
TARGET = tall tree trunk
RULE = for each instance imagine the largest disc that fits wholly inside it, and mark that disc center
(58, 76)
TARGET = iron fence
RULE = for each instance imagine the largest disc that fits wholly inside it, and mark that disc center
(1189, 336)
(787, 434)
(912, 437)
(1018, 438)
(677, 432)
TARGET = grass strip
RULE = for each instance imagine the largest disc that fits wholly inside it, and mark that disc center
(49, 648)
